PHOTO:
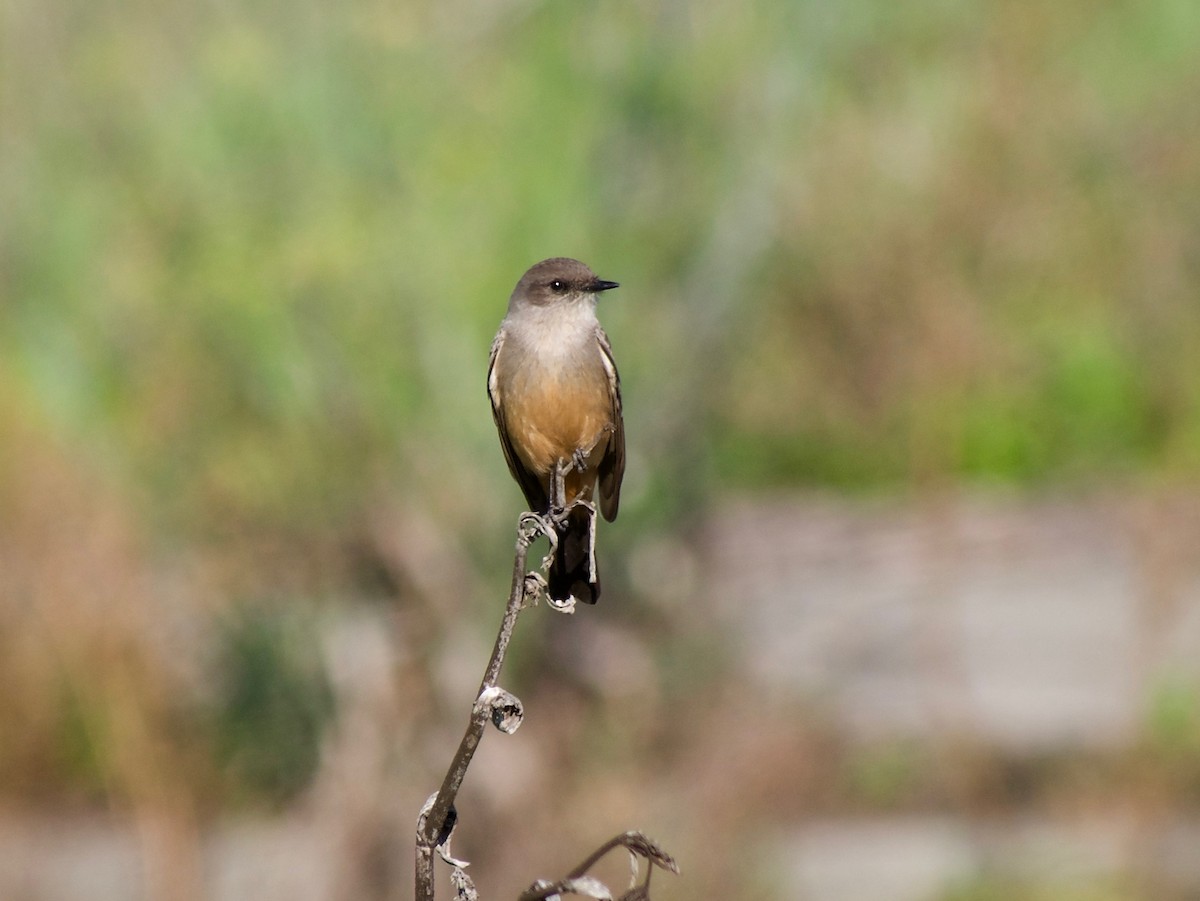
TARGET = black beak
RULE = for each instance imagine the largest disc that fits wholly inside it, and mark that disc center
(601, 285)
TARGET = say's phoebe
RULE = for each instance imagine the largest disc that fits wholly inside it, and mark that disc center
(556, 399)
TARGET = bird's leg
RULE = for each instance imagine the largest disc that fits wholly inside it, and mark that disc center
(577, 462)
(558, 492)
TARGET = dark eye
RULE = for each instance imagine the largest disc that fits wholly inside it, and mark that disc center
(558, 286)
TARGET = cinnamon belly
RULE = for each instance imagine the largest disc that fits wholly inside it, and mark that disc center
(549, 419)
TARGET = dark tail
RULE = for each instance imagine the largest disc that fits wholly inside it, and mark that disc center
(573, 571)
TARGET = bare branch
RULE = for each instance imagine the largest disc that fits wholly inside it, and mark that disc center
(578, 883)
(438, 817)
(435, 815)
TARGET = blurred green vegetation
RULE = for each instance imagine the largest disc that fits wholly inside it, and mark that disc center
(887, 776)
(252, 257)
(273, 703)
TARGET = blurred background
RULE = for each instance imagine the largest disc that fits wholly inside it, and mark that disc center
(904, 599)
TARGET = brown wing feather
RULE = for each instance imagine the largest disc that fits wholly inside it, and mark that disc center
(612, 465)
(535, 494)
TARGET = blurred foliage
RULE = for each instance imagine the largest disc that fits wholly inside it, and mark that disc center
(887, 775)
(272, 704)
(1171, 742)
(252, 257)
(1174, 721)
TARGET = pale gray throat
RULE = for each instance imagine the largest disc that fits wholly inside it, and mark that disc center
(553, 334)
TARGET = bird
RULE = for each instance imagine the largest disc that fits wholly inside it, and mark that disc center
(556, 400)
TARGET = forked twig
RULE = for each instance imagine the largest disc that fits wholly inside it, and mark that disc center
(438, 817)
(577, 882)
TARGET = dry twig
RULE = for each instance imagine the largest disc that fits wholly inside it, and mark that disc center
(438, 817)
